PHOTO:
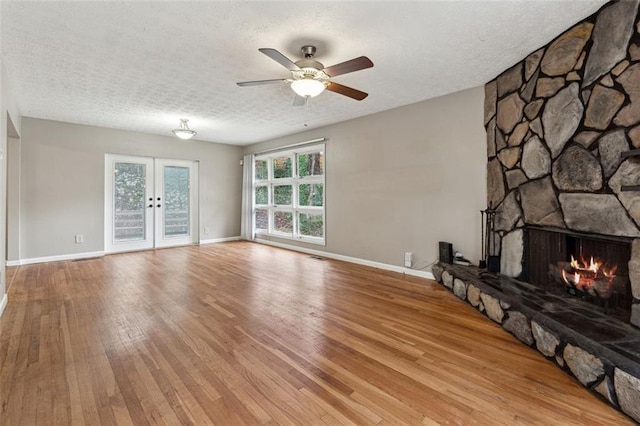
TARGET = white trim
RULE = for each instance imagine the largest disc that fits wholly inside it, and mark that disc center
(293, 145)
(160, 239)
(87, 255)
(358, 261)
(110, 245)
(300, 239)
(220, 240)
(74, 256)
(3, 303)
(247, 230)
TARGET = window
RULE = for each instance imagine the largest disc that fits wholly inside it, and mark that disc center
(289, 194)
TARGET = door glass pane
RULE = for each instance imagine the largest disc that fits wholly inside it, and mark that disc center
(176, 201)
(311, 164)
(283, 222)
(282, 195)
(128, 202)
(310, 194)
(311, 225)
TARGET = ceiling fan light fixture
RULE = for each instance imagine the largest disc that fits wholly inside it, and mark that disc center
(183, 131)
(308, 87)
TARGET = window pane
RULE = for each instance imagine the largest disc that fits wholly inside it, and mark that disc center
(282, 195)
(311, 225)
(311, 164)
(262, 220)
(129, 205)
(261, 170)
(176, 201)
(310, 194)
(282, 167)
(283, 222)
(262, 195)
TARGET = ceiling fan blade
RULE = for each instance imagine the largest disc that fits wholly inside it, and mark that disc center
(299, 101)
(260, 82)
(280, 58)
(356, 64)
(347, 91)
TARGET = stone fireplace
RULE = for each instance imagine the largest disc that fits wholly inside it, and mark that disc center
(563, 127)
(563, 176)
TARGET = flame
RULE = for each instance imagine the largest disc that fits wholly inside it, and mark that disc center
(611, 272)
(592, 265)
(585, 275)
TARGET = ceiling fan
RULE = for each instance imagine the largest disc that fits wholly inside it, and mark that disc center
(309, 77)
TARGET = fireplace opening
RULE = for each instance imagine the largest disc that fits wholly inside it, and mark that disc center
(592, 268)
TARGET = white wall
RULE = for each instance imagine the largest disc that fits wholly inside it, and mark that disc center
(404, 179)
(62, 183)
(13, 199)
(9, 125)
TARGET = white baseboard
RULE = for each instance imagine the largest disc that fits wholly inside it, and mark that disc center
(358, 261)
(3, 303)
(220, 240)
(73, 256)
(86, 255)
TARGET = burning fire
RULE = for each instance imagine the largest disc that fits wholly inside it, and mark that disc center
(591, 277)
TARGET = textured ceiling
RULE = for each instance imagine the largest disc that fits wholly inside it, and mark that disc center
(143, 65)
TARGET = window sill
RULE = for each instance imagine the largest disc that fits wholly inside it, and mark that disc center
(307, 240)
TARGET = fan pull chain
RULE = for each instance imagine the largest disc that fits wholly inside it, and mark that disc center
(306, 111)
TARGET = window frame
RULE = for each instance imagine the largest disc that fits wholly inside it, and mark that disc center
(294, 181)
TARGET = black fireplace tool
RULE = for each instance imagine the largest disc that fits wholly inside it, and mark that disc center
(492, 262)
(483, 259)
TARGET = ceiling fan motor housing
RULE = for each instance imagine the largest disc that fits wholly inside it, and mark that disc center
(308, 51)
(308, 65)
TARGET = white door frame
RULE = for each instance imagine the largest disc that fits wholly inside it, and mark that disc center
(110, 245)
(154, 208)
(162, 240)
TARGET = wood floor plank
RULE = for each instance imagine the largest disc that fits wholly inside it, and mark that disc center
(241, 333)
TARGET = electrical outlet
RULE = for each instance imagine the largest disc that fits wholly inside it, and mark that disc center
(79, 239)
(205, 230)
(408, 259)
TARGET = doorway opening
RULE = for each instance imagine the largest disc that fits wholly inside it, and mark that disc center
(149, 203)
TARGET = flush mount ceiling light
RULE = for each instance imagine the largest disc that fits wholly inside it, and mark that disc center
(184, 132)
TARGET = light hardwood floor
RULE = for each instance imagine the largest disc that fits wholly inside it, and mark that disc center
(242, 333)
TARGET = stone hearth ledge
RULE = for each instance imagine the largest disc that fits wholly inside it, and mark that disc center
(601, 352)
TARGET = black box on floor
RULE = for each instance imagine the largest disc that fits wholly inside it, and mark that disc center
(446, 252)
(493, 264)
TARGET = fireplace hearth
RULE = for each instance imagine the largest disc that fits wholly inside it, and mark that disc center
(601, 351)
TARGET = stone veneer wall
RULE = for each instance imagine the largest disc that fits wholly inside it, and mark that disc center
(557, 123)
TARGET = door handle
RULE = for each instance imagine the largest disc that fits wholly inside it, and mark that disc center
(158, 205)
(150, 205)
(158, 198)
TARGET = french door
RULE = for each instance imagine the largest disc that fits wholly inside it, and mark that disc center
(149, 202)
